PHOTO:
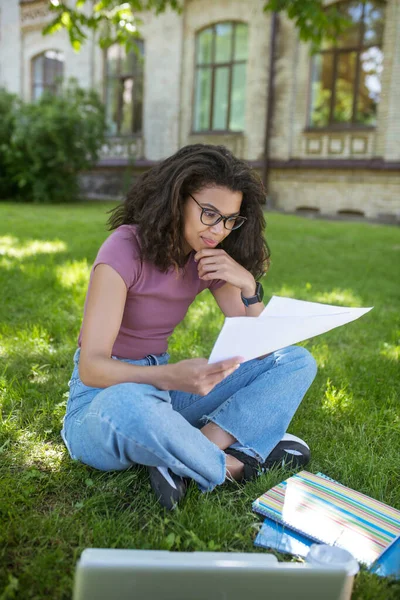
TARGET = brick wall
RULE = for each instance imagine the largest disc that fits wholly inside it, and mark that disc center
(371, 193)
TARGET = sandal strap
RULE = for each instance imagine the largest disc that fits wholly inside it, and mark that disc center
(251, 464)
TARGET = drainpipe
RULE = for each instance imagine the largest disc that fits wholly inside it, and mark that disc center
(182, 66)
(270, 106)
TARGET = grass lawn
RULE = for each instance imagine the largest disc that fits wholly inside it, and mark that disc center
(52, 508)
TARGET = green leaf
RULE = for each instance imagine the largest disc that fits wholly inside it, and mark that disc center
(66, 19)
(52, 27)
(170, 540)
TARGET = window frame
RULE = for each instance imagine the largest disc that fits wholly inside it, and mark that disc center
(214, 66)
(53, 87)
(121, 77)
(336, 51)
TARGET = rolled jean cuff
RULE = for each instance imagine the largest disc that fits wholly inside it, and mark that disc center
(213, 418)
(217, 480)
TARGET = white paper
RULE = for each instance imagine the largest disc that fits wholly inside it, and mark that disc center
(283, 322)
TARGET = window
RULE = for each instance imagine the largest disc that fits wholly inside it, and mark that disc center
(220, 81)
(47, 73)
(346, 77)
(124, 90)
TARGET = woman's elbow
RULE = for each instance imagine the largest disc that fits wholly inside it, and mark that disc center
(87, 372)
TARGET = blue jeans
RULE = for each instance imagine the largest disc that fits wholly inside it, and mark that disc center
(118, 426)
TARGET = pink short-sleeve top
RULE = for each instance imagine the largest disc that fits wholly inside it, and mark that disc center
(156, 302)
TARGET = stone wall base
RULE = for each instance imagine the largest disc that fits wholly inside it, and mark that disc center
(334, 193)
(370, 194)
(110, 183)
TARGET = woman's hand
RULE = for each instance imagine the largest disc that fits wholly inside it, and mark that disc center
(196, 376)
(217, 264)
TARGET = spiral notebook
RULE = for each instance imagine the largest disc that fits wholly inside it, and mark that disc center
(330, 513)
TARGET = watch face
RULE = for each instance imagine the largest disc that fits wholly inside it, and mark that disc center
(259, 291)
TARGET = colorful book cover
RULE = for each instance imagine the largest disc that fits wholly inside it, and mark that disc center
(328, 512)
(278, 537)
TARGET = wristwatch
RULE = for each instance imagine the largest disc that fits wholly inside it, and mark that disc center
(256, 298)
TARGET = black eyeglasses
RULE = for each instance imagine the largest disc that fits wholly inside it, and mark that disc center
(212, 217)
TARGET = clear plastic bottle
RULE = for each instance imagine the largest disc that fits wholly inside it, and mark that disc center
(323, 555)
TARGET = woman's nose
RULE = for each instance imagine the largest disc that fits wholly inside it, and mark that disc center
(218, 227)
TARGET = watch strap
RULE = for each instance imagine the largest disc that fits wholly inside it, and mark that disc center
(258, 296)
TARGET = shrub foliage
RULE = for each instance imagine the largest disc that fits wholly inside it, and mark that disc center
(8, 110)
(45, 144)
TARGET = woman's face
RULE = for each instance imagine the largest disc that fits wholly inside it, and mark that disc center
(217, 199)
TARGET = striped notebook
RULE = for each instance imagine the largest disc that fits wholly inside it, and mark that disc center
(330, 513)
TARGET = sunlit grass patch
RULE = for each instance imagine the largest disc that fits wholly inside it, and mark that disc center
(11, 246)
(339, 297)
(336, 399)
(74, 274)
(33, 340)
(391, 351)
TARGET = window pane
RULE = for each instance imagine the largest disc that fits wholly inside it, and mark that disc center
(138, 104)
(223, 42)
(321, 89)
(37, 91)
(59, 69)
(132, 61)
(128, 62)
(344, 87)
(113, 53)
(373, 22)
(370, 85)
(112, 106)
(49, 71)
(352, 11)
(203, 99)
(204, 46)
(127, 107)
(221, 91)
(38, 69)
(238, 98)
(241, 30)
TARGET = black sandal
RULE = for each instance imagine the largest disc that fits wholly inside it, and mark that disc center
(291, 452)
(168, 487)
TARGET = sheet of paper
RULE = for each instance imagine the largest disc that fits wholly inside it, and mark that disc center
(283, 322)
(289, 307)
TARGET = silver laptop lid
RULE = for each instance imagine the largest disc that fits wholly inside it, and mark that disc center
(104, 574)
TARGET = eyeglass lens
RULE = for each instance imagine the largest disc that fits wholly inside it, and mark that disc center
(209, 217)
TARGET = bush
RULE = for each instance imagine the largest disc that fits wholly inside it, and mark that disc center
(52, 140)
(8, 108)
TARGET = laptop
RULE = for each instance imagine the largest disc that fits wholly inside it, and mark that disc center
(111, 574)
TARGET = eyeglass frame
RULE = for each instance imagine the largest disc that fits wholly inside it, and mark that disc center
(220, 218)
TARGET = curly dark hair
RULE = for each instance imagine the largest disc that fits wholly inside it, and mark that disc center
(156, 199)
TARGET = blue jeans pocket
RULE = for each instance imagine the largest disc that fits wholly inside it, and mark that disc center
(80, 395)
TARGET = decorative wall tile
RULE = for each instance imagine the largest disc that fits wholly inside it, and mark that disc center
(122, 148)
(313, 145)
(358, 144)
(335, 145)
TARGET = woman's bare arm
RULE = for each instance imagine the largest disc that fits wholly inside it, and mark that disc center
(104, 310)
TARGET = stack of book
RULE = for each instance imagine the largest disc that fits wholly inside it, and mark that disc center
(306, 509)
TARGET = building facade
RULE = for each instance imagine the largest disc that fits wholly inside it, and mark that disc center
(323, 130)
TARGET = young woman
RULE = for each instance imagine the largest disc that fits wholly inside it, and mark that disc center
(192, 222)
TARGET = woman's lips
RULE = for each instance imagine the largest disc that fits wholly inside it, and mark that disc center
(210, 243)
